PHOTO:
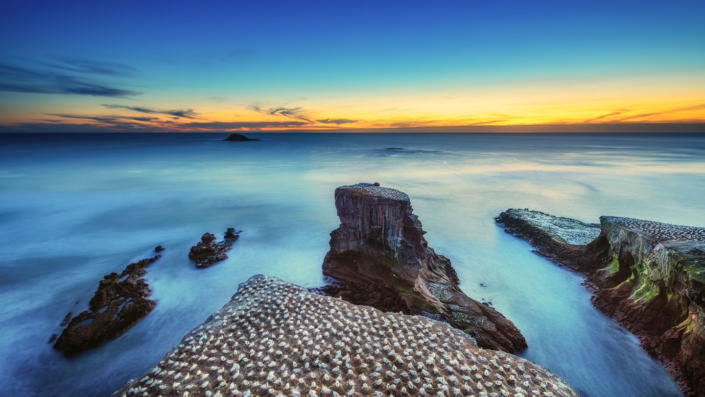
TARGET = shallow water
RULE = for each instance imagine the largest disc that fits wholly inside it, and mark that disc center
(76, 207)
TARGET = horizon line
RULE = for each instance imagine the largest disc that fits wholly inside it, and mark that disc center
(662, 128)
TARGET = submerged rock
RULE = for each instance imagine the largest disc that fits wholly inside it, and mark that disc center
(649, 276)
(275, 338)
(208, 251)
(239, 138)
(120, 301)
(379, 257)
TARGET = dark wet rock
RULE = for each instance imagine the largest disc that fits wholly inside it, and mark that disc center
(208, 251)
(120, 301)
(66, 319)
(313, 345)
(239, 138)
(649, 276)
(158, 248)
(379, 257)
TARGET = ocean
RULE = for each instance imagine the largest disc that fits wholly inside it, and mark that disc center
(74, 207)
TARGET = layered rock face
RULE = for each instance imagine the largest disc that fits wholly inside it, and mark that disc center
(275, 338)
(649, 276)
(379, 257)
(120, 301)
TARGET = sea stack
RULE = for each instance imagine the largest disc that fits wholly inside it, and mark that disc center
(649, 276)
(379, 257)
(277, 339)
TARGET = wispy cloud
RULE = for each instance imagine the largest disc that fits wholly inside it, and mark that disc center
(80, 65)
(180, 113)
(46, 127)
(337, 121)
(233, 125)
(626, 117)
(291, 112)
(50, 81)
(141, 124)
(487, 122)
(607, 115)
(103, 119)
(669, 111)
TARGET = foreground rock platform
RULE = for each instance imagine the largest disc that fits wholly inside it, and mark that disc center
(379, 257)
(277, 339)
(119, 303)
(208, 251)
(649, 276)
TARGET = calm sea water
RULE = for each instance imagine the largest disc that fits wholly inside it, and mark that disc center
(76, 207)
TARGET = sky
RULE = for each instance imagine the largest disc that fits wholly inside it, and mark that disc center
(358, 66)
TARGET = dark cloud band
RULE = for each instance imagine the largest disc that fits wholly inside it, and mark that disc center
(50, 81)
(186, 114)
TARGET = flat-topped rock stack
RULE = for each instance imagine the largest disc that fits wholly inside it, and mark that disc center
(647, 275)
(379, 257)
(275, 338)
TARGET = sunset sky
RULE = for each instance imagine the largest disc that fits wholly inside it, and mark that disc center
(352, 66)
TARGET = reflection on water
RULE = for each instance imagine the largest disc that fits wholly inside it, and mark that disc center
(73, 208)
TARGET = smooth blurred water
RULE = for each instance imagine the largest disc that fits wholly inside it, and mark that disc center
(76, 207)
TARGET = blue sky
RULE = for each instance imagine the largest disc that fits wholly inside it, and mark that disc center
(221, 58)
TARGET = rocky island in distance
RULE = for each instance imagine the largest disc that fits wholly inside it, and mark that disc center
(239, 138)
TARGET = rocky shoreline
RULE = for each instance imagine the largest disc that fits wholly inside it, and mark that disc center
(379, 257)
(402, 328)
(648, 276)
(393, 320)
(275, 338)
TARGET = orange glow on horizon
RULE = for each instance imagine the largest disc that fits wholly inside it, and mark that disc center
(532, 106)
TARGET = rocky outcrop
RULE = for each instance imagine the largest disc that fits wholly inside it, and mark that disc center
(379, 257)
(120, 301)
(275, 338)
(649, 276)
(208, 251)
(239, 138)
(561, 239)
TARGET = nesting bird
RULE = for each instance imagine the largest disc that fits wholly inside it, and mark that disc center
(275, 338)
